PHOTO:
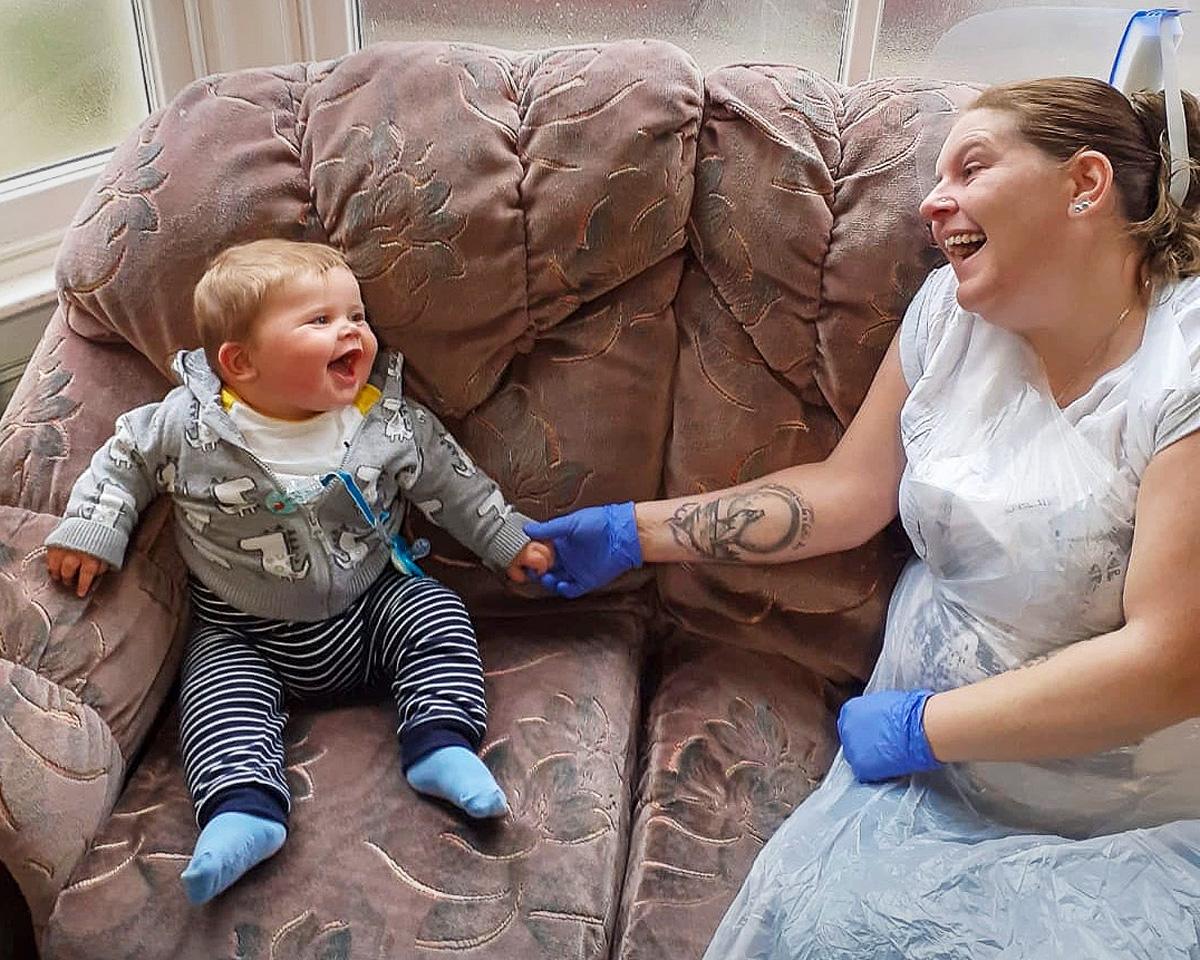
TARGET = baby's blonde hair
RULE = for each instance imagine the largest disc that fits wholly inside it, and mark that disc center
(230, 295)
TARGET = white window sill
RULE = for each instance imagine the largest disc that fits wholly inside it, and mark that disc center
(26, 292)
(27, 249)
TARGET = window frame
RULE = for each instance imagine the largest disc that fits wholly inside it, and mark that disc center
(860, 37)
(180, 41)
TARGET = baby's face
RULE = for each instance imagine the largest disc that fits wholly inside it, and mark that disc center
(311, 348)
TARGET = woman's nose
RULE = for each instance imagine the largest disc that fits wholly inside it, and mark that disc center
(936, 202)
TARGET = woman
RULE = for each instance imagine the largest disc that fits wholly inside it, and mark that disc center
(1022, 777)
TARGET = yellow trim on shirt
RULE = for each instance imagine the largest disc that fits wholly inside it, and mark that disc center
(367, 397)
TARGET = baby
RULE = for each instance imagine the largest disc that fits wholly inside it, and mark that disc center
(286, 451)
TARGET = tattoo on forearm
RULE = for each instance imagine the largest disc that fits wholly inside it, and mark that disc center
(761, 521)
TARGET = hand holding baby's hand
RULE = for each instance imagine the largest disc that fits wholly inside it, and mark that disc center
(535, 557)
(64, 564)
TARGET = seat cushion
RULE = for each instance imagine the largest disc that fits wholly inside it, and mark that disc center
(370, 869)
(735, 739)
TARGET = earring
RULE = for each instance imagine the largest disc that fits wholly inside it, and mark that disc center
(1082, 205)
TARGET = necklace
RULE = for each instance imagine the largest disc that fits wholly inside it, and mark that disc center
(1065, 390)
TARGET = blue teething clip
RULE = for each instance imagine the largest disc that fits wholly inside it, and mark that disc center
(404, 558)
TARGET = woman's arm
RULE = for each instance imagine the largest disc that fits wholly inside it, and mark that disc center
(801, 511)
(1119, 687)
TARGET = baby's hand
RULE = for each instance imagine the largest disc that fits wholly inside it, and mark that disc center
(535, 557)
(64, 564)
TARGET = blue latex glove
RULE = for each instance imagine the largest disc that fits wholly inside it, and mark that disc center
(591, 547)
(883, 734)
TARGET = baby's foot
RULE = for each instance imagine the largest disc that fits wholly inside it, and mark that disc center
(456, 775)
(229, 845)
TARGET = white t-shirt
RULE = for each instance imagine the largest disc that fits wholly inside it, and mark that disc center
(298, 452)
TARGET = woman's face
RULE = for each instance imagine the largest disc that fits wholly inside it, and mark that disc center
(999, 211)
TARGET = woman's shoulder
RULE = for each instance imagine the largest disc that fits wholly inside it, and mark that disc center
(1181, 303)
(930, 314)
(1166, 378)
(1183, 297)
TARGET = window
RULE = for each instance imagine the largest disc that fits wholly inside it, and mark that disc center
(715, 32)
(71, 81)
(993, 41)
(77, 75)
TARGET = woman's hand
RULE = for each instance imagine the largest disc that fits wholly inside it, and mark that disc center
(883, 735)
(64, 565)
(592, 546)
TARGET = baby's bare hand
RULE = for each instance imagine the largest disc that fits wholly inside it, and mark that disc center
(535, 557)
(65, 565)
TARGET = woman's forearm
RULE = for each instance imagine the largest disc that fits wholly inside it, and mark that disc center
(799, 512)
(802, 511)
(1094, 695)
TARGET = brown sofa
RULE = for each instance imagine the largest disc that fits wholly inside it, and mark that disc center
(614, 278)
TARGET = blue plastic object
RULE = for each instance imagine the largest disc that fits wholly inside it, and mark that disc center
(1146, 60)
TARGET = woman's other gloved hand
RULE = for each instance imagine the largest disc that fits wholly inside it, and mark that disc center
(592, 546)
(883, 734)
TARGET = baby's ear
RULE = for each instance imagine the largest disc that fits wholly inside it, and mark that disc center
(235, 362)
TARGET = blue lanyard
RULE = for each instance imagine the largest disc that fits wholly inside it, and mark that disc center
(404, 558)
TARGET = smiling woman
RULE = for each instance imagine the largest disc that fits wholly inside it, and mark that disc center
(1043, 180)
(1028, 749)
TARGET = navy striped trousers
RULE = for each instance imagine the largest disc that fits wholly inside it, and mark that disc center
(411, 633)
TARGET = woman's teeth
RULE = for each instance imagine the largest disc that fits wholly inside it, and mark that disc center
(962, 244)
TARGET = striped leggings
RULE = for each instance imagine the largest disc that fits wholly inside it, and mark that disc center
(411, 632)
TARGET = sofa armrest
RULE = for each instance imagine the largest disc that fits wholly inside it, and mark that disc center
(81, 680)
(60, 774)
(65, 407)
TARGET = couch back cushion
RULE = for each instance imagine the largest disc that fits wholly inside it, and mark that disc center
(516, 221)
(805, 248)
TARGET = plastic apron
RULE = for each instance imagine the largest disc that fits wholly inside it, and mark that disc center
(1021, 516)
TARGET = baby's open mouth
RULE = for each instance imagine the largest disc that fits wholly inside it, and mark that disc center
(962, 246)
(346, 363)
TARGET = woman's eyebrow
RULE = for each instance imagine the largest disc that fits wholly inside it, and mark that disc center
(963, 147)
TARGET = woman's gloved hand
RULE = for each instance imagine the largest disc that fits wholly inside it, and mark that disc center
(591, 547)
(883, 734)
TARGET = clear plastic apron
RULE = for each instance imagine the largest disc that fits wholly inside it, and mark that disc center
(1022, 527)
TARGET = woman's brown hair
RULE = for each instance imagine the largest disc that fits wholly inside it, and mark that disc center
(1063, 115)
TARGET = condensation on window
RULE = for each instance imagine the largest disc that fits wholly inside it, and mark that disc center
(715, 32)
(71, 80)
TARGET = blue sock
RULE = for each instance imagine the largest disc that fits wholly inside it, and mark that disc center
(229, 845)
(456, 775)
